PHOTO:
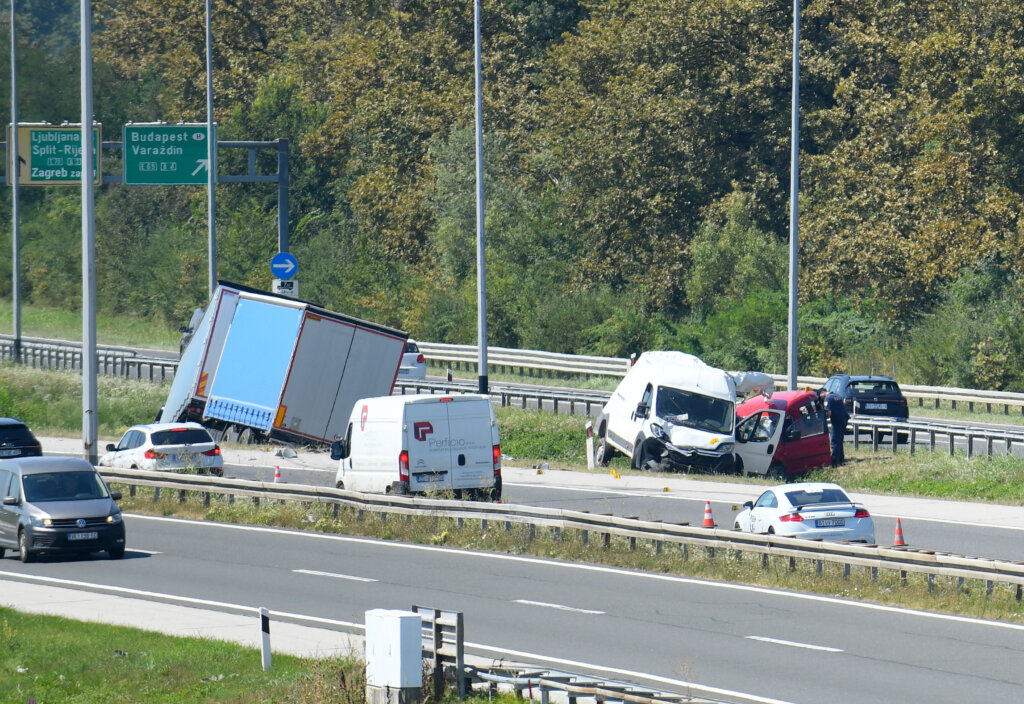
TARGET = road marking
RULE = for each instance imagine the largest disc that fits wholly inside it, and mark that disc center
(794, 644)
(335, 576)
(557, 606)
(146, 552)
(584, 567)
(479, 647)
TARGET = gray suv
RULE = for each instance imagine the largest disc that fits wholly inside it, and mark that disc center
(57, 504)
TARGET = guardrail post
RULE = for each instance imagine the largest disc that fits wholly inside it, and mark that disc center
(952, 443)
(970, 446)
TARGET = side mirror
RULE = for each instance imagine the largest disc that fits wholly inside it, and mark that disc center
(115, 495)
(182, 329)
(111, 447)
(748, 504)
(339, 450)
(642, 409)
(10, 501)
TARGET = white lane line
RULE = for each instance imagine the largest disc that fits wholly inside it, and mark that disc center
(586, 567)
(317, 573)
(794, 644)
(146, 552)
(560, 607)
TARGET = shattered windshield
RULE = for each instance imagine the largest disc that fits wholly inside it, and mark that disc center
(713, 415)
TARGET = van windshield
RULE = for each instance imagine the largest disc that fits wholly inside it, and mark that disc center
(63, 486)
(714, 415)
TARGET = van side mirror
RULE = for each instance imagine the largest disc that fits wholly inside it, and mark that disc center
(642, 409)
(339, 450)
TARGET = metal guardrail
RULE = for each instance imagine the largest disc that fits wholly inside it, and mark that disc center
(576, 687)
(874, 557)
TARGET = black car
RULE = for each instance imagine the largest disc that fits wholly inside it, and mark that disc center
(16, 440)
(870, 395)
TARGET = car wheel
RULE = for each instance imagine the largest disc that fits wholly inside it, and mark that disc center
(604, 453)
(2, 551)
(339, 485)
(736, 526)
(771, 530)
(777, 472)
(116, 553)
(23, 552)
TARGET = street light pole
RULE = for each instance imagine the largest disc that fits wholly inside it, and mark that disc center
(14, 173)
(211, 157)
(794, 192)
(89, 402)
(481, 263)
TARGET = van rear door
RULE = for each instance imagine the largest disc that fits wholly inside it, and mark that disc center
(427, 440)
(471, 443)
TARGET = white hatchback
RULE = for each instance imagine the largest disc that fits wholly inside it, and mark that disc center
(173, 447)
(812, 510)
(413, 365)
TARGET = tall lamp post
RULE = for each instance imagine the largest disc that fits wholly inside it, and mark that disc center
(794, 191)
(481, 263)
(211, 156)
(14, 174)
(89, 419)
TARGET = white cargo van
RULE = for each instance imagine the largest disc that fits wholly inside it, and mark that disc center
(421, 443)
(674, 412)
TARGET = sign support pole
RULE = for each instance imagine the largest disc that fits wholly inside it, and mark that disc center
(212, 156)
(13, 169)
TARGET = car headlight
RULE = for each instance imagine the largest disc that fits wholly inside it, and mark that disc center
(726, 447)
(658, 432)
(40, 521)
(114, 517)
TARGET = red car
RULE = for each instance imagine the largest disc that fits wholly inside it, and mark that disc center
(782, 436)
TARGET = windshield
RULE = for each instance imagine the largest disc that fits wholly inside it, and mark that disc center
(63, 486)
(802, 497)
(714, 415)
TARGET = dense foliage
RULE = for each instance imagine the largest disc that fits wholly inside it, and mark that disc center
(637, 172)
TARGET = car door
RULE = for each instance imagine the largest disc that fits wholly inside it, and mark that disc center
(806, 445)
(8, 514)
(124, 453)
(757, 438)
(764, 511)
(428, 437)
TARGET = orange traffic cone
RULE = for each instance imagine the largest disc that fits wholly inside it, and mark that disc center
(277, 474)
(709, 520)
(899, 535)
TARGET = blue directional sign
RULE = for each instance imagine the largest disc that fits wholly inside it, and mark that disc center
(284, 265)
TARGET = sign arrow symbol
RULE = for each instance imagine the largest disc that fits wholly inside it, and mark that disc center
(287, 266)
(203, 164)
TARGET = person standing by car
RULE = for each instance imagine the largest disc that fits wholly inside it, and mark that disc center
(838, 416)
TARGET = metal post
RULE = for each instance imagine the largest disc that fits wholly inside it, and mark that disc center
(14, 173)
(481, 268)
(265, 638)
(282, 195)
(211, 154)
(89, 401)
(794, 191)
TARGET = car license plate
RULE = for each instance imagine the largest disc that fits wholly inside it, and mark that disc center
(9, 453)
(875, 406)
(830, 522)
(91, 535)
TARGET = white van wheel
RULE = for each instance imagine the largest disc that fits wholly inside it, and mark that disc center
(604, 453)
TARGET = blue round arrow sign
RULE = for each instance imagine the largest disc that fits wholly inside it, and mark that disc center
(284, 265)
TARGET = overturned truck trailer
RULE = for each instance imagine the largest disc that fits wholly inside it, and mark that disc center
(262, 366)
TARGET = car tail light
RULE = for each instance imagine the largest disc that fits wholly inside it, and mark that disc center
(899, 401)
(403, 466)
(214, 452)
(787, 517)
(496, 459)
(152, 454)
(419, 359)
(862, 513)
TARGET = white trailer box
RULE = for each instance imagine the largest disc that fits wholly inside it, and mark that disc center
(421, 443)
(674, 412)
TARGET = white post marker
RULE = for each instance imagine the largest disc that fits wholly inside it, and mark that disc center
(265, 632)
(590, 444)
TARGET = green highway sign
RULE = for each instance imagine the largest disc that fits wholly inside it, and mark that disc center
(51, 155)
(157, 154)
